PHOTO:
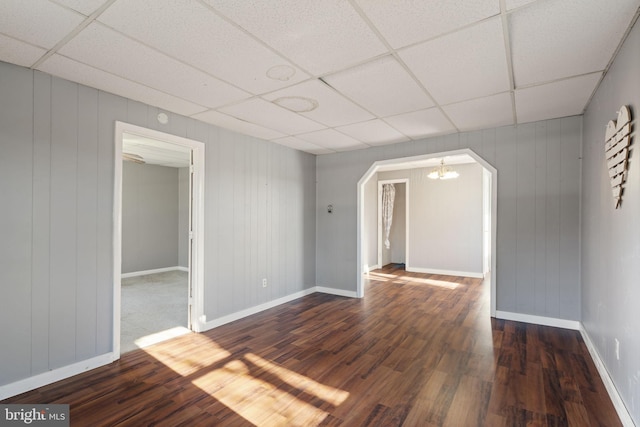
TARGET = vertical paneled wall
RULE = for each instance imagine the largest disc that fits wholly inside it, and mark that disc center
(56, 220)
(538, 211)
(611, 237)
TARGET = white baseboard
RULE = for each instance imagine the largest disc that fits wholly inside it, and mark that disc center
(39, 380)
(181, 268)
(367, 268)
(539, 320)
(210, 324)
(616, 399)
(155, 270)
(475, 275)
(334, 291)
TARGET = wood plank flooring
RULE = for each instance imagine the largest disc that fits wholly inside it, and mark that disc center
(418, 350)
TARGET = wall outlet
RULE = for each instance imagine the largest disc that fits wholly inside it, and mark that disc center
(617, 349)
(264, 283)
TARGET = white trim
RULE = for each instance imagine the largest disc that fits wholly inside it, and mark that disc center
(181, 268)
(39, 380)
(255, 309)
(475, 275)
(368, 268)
(153, 271)
(392, 162)
(335, 291)
(616, 399)
(197, 213)
(538, 320)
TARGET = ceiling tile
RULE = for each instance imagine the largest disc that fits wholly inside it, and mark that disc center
(71, 70)
(513, 4)
(467, 64)
(403, 22)
(419, 124)
(207, 42)
(241, 126)
(333, 140)
(109, 50)
(558, 99)
(333, 109)
(17, 52)
(320, 36)
(299, 144)
(271, 116)
(369, 86)
(557, 39)
(86, 7)
(482, 113)
(38, 22)
(373, 132)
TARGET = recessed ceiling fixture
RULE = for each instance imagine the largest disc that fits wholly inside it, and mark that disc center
(130, 157)
(281, 72)
(443, 172)
(297, 104)
(163, 118)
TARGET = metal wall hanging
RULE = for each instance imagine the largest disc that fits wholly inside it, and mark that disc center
(617, 141)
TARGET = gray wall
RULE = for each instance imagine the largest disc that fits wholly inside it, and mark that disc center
(56, 221)
(538, 211)
(183, 217)
(610, 237)
(370, 212)
(445, 219)
(149, 217)
(448, 222)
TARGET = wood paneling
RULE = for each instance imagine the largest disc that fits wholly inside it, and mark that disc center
(419, 350)
(57, 185)
(538, 213)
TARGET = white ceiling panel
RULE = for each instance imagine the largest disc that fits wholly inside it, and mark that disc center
(18, 52)
(491, 111)
(559, 99)
(333, 140)
(333, 109)
(71, 70)
(319, 36)
(266, 114)
(241, 126)
(208, 42)
(369, 85)
(513, 4)
(109, 50)
(38, 22)
(419, 124)
(86, 7)
(403, 22)
(373, 132)
(464, 65)
(299, 144)
(556, 39)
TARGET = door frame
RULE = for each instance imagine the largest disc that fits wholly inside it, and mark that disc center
(406, 218)
(493, 213)
(196, 260)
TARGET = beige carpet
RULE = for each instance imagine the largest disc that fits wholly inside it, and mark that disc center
(151, 305)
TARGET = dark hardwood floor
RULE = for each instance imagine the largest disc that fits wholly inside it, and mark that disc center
(418, 350)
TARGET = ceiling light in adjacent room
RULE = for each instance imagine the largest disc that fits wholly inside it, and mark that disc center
(281, 72)
(297, 104)
(443, 172)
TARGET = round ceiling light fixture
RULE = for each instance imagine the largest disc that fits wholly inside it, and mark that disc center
(297, 104)
(281, 72)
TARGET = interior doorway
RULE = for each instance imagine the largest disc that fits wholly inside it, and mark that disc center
(489, 211)
(397, 252)
(172, 165)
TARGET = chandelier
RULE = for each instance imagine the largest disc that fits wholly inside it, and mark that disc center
(443, 172)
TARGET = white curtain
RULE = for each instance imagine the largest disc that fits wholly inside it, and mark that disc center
(388, 196)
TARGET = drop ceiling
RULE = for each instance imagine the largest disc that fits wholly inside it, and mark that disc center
(331, 75)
